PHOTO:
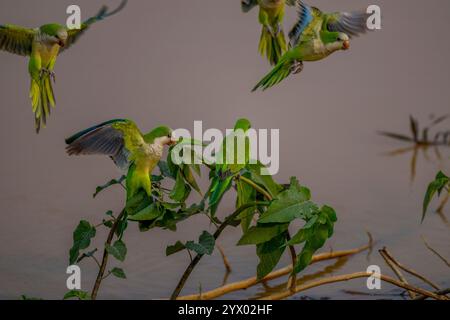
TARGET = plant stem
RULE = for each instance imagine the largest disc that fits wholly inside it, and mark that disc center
(256, 187)
(217, 234)
(101, 271)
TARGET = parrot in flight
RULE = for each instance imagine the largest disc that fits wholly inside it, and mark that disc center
(271, 15)
(43, 45)
(315, 36)
(136, 154)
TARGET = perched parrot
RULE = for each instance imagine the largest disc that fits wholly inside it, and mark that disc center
(314, 37)
(271, 15)
(43, 45)
(227, 170)
(131, 151)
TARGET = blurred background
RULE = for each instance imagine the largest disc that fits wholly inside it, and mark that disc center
(178, 61)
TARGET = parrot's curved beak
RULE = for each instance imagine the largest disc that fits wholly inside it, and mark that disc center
(346, 45)
(173, 141)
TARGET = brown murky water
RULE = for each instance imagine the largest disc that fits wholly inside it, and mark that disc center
(179, 61)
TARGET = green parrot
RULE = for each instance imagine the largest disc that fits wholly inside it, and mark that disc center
(314, 37)
(133, 152)
(43, 45)
(226, 170)
(271, 15)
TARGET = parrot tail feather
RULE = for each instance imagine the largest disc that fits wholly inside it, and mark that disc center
(281, 71)
(42, 100)
(271, 45)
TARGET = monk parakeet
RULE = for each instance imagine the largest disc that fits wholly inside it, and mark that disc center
(314, 37)
(133, 152)
(43, 45)
(231, 162)
(271, 15)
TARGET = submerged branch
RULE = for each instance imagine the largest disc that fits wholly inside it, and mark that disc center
(241, 285)
(347, 277)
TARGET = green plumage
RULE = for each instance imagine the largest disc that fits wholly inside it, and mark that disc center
(315, 36)
(272, 42)
(134, 153)
(230, 164)
(43, 45)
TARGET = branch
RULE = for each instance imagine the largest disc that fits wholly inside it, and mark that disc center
(410, 271)
(241, 285)
(435, 252)
(396, 270)
(217, 234)
(101, 271)
(346, 277)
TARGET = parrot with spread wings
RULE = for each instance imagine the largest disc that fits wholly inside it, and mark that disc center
(43, 45)
(272, 43)
(136, 154)
(315, 36)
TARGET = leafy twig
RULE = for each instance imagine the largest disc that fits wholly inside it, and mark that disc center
(101, 271)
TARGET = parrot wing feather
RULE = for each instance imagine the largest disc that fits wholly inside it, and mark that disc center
(352, 24)
(115, 138)
(75, 34)
(305, 17)
(17, 40)
(247, 5)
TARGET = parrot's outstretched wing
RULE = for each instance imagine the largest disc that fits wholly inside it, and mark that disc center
(75, 34)
(305, 15)
(247, 5)
(17, 40)
(115, 138)
(352, 24)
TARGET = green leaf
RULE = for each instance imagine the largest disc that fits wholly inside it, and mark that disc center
(189, 177)
(284, 211)
(118, 250)
(177, 247)
(330, 213)
(113, 182)
(435, 187)
(261, 234)
(300, 237)
(205, 246)
(245, 194)
(107, 223)
(81, 239)
(304, 258)
(81, 295)
(164, 169)
(269, 254)
(147, 214)
(290, 204)
(119, 273)
(180, 189)
(219, 187)
(265, 180)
